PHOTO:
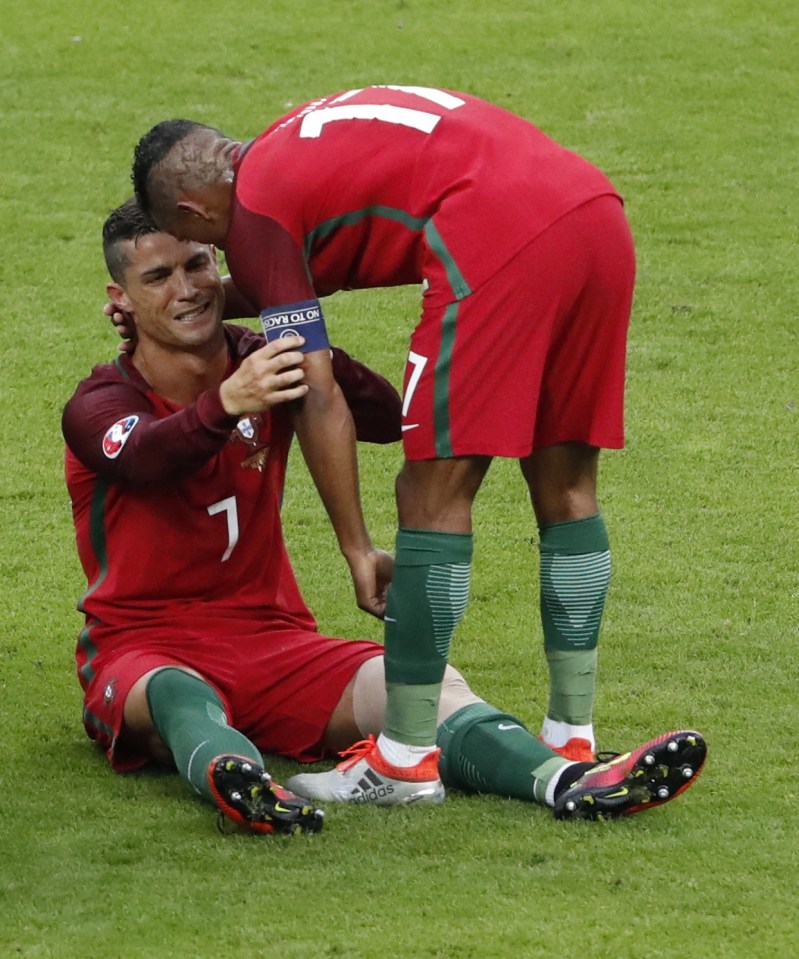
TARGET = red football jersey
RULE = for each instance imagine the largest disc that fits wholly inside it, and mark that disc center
(392, 185)
(177, 510)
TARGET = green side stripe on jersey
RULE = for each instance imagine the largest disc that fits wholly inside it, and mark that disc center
(456, 281)
(441, 383)
(460, 289)
(85, 641)
(97, 539)
(121, 368)
(348, 219)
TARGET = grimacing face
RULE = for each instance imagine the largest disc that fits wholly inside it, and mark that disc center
(173, 289)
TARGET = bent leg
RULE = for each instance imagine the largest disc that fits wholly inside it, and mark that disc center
(574, 578)
(483, 749)
(172, 710)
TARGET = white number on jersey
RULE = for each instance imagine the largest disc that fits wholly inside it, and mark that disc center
(313, 122)
(227, 506)
(418, 362)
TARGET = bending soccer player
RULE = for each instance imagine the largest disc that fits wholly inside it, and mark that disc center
(527, 269)
(198, 648)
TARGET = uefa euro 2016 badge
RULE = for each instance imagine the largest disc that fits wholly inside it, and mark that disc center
(117, 435)
(248, 431)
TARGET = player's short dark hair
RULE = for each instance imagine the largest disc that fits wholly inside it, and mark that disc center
(153, 147)
(126, 222)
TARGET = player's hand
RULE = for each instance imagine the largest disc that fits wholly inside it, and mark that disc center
(269, 376)
(124, 324)
(371, 574)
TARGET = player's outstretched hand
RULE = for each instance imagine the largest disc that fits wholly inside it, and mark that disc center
(265, 378)
(125, 326)
(371, 574)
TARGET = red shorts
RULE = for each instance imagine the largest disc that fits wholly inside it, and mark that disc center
(279, 686)
(535, 355)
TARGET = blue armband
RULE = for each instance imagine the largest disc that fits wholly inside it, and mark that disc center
(304, 319)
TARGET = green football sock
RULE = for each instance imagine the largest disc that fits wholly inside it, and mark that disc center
(427, 598)
(486, 751)
(575, 575)
(190, 719)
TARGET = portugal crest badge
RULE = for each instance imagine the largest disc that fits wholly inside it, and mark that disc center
(253, 432)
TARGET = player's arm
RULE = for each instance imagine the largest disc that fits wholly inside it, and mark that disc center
(270, 270)
(113, 429)
(326, 433)
(111, 426)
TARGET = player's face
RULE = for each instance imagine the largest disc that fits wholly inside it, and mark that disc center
(174, 290)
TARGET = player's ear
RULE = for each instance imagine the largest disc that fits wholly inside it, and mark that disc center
(118, 296)
(193, 208)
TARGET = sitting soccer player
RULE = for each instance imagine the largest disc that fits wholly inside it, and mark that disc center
(198, 648)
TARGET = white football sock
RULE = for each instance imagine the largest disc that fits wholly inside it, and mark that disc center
(401, 754)
(556, 733)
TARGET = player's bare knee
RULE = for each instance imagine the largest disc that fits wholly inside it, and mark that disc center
(562, 481)
(455, 694)
(438, 494)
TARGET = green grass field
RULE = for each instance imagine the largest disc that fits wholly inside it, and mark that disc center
(691, 109)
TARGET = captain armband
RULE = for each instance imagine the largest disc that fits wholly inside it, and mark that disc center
(303, 319)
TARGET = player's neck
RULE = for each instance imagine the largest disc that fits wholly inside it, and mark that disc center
(180, 375)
